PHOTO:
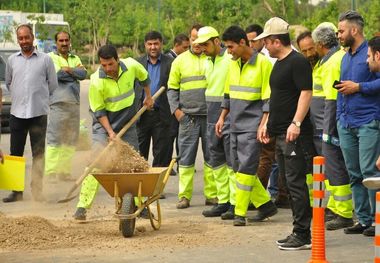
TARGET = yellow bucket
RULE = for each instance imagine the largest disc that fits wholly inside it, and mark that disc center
(12, 173)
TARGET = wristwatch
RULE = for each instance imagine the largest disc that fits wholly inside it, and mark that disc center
(297, 123)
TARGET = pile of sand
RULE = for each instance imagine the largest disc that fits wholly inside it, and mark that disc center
(122, 158)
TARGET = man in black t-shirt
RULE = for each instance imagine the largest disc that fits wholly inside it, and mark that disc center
(291, 92)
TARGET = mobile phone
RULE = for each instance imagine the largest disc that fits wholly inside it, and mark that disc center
(336, 82)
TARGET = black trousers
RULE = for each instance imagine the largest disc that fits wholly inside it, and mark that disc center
(150, 127)
(293, 168)
(36, 127)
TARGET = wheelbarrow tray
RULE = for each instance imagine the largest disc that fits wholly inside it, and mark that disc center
(118, 184)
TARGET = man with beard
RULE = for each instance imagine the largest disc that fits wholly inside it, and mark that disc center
(289, 123)
(307, 47)
(358, 116)
(31, 79)
(64, 117)
(155, 124)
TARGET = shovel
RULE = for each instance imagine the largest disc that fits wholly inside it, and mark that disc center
(89, 169)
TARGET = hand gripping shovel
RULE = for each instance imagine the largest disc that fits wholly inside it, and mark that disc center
(106, 149)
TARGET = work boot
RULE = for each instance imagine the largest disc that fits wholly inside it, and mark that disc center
(282, 203)
(329, 215)
(239, 221)
(216, 210)
(339, 222)
(162, 196)
(369, 232)
(80, 214)
(230, 214)
(211, 201)
(266, 210)
(144, 213)
(183, 203)
(13, 197)
(358, 228)
(173, 173)
(251, 207)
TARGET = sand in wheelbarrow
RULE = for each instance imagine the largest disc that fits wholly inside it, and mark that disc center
(122, 158)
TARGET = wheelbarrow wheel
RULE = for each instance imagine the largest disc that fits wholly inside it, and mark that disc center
(127, 226)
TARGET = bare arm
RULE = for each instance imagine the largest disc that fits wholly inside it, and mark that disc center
(302, 108)
(107, 126)
(148, 101)
(220, 122)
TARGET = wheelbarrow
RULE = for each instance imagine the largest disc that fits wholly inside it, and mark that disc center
(125, 186)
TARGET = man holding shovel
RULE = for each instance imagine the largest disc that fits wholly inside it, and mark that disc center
(111, 97)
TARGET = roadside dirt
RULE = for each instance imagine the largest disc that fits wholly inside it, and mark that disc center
(36, 233)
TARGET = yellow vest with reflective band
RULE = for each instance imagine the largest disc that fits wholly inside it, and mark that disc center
(331, 72)
(216, 74)
(187, 75)
(59, 61)
(317, 81)
(250, 82)
(112, 95)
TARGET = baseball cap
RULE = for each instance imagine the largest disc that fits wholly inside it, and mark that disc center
(205, 33)
(274, 26)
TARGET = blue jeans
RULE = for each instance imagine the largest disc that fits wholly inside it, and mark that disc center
(360, 148)
(273, 178)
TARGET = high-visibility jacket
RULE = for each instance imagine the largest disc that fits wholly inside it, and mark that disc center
(216, 75)
(247, 92)
(114, 98)
(318, 100)
(68, 90)
(331, 71)
(187, 84)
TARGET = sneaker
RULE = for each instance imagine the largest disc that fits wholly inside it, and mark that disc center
(372, 183)
(356, 229)
(339, 222)
(266, 210)
(211, 201)
(80, 214)
(216, 210)
(183, 203)
(230, 214)
(296, 242)
(329, 215)
(283, 241)
(13, 197)
(239, 221)
(369, 232)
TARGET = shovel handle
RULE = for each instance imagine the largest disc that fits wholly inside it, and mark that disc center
(100, 156)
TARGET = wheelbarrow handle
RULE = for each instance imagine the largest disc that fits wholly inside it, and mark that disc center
(101, 155)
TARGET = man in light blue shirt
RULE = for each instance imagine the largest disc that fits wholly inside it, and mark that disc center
(31, 79)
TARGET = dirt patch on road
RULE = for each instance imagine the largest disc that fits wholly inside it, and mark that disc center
(36, 233)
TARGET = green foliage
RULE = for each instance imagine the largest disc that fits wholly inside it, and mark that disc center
(125, 22)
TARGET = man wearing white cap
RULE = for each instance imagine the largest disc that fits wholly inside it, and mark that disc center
(291, 92)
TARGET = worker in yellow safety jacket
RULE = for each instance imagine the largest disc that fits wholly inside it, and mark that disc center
(186, 94)
(246, 98)
(63, 126)
(217, 66)
(340, 201)
(112, 105)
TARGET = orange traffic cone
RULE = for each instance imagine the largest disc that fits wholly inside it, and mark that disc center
(318, 249)
(377, 226)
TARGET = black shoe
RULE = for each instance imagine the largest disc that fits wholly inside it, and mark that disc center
(239, 221)
(80, 214)
(283, 241)
(173, 173)
(329, 215)
(13, 197)
(356, 229)
(296, 242)
(251, 207)
(282, 203)
(144, 213)
(266, 210)
(216, 210)
(339, 222)
(162, 196)
(369, 232)
(230, 214)
(211, 201)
